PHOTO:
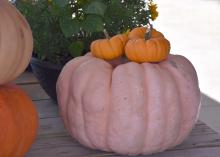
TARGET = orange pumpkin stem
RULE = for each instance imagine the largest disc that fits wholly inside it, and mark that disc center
(148, 33)
(106, 34)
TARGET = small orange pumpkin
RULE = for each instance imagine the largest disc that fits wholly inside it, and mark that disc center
(109, 49)
(18, 122)
(141, 49)
(139, 32)
(16, 42)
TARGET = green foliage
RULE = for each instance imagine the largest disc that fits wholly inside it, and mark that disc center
(63, 29)
(96, 7)
(76, 48)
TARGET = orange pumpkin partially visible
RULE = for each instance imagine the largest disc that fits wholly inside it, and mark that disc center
(18, 122)
(109, 49)
(16, 42)
(152, 49)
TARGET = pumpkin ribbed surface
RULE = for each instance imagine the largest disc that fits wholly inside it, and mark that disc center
(109, 49)
(140, 49)
(153, 50)
(139, 32)
(16, 43)
(18, 122)
(132, 108)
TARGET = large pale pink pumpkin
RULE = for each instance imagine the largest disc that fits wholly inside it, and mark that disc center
(129, 108)
(16, 42)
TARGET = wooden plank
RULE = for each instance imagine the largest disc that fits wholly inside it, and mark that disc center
(65, 147)
(53, 140)
(46, 108)
(26, 78)
(200, 152)
(35, 91)
(51, 127)
(59, 146)
(48, 112)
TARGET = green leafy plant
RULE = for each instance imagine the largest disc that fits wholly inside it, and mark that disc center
(64, 29)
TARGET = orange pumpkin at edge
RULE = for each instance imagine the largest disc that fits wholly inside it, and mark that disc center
(18, 121)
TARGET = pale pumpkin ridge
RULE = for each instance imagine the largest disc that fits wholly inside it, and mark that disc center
(19, 47)
(145, 84)
(66, 100)
(74, 64)
(191, 102)
(83, 111)
(109, 111)
(9, 17)
(178, 106)
(130, 70)
(25, 32)
(5, 75)
(164, 109)
(155, 121)
(169, 79)
(123, 129)
(163, 101)
(83, 119)
(80, 106)
(1, 43)
(26, 35)
(63, 79)
(180, 101)
(140, 79)
(95, 102)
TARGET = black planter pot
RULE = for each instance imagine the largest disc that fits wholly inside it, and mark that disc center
(28, 68)
(47, 73)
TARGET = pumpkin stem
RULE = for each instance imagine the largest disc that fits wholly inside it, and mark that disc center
(106, 34)
(148, 33)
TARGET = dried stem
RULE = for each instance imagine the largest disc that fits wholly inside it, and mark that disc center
(106, 34)
(148, 33)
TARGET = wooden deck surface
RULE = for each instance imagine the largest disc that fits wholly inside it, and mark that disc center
(54, 141)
